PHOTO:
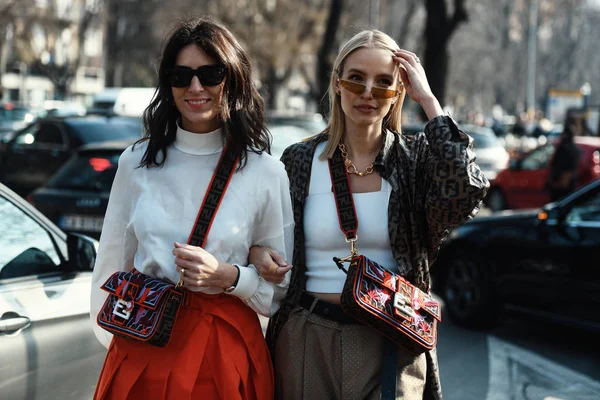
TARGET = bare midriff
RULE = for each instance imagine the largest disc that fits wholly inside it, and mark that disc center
(329, 297)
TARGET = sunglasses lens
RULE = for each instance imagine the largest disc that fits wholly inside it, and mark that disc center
(359, 88)
(211, 75)
(383, 93)
(181, 77)
(356, 88)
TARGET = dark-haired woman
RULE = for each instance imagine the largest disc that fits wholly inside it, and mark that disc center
(205, 100)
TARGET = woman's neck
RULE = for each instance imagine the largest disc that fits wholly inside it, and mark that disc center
(363, 140)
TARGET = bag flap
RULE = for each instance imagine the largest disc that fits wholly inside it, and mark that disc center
(412, 296)
(139, 288)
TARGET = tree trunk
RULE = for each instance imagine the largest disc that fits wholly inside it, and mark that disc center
(271, 88)
(111, 46)
(438, 31)
(325, 56)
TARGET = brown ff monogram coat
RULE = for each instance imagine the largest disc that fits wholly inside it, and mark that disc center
(436, 186)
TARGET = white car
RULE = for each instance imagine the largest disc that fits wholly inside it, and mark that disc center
(491, 155)
(47, 347)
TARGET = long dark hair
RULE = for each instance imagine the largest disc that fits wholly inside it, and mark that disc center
(242, 107)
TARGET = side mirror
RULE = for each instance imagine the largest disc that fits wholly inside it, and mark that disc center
(514, 164)
(82, 252)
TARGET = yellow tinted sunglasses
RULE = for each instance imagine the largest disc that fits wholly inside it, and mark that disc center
(359, 88)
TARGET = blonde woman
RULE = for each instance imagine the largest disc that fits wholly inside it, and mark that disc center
(407, 193)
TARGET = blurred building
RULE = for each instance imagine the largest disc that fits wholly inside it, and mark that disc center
(53, 50)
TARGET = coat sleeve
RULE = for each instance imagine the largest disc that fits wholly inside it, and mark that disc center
(450, 185)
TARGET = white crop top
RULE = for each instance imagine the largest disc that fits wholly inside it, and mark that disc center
(324, 238)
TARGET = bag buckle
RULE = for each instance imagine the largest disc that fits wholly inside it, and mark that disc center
(403, 306)
(353, 249)
(123, 309)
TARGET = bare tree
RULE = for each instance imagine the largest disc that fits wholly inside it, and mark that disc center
(45, 33)
(439, 29)
(10, 11)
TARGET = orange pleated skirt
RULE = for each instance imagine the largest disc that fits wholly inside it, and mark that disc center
(217, 351)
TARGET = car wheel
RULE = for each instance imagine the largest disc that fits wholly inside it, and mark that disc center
(496, 200)
(468, 291)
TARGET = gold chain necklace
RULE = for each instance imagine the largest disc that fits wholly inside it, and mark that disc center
(350, 167)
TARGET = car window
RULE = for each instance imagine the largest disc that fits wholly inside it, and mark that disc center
(538, 159)
(26, 246)
(49, 134)
(102, 130)
(588, 210)
(87, 171)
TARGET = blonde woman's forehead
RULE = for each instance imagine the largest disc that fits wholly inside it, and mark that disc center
(370, 61)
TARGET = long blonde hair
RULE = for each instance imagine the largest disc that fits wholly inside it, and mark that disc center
(372, 39)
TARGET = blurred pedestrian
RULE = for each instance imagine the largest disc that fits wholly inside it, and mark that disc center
(205, 101)
(562, 177)
(408, 193)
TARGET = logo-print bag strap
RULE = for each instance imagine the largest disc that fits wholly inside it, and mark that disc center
(213, 197)
(348, 220)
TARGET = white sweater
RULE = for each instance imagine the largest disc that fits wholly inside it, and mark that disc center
(150, 209)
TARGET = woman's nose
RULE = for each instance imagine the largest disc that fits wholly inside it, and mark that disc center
(195, 85)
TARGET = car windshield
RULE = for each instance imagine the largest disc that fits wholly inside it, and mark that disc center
(94, 171)
(484, 141)
(92, 131)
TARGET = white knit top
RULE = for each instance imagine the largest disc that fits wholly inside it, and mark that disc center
(151, 208)
(324, 238)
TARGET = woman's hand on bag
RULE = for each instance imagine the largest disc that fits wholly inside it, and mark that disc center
(415, 82)
(202, 268)
(269, 264)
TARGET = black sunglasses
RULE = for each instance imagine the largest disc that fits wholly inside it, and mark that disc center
(208, 75)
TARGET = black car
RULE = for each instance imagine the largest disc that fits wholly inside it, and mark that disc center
(76, 197)
(541, 262)
(29, 157)
(47, 344)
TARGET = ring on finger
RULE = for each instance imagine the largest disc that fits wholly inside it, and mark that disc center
(182, 271)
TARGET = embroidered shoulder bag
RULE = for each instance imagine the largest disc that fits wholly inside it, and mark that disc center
(144, 308)
(373, 294)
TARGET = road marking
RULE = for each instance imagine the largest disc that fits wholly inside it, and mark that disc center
(519, 374)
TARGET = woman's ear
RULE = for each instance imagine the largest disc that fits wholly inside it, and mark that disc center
(336, 86)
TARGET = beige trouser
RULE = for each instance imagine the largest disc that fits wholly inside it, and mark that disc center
(319, 359)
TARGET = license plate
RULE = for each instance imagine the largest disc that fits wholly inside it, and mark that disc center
(81, 223)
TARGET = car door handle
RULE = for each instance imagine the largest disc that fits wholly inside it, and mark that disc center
(12, 323)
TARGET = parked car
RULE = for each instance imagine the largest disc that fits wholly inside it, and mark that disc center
(13, 118)
(31, 156)
(47, 344)
(76, 197)
(540, 262)
(491, 155)
(522, 184)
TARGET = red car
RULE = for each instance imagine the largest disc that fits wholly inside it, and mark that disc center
(522, 184)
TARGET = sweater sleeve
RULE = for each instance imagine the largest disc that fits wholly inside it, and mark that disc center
(274, 228)
(117, 243)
